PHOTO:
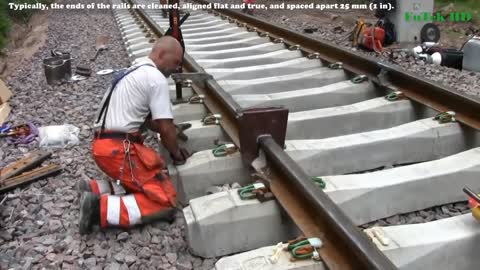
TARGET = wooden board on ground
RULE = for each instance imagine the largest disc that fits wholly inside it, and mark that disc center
(5, 94)
(4, 111)
(26, 170)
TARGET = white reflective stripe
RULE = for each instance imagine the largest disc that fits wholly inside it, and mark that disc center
(134, 215)
(103, 186)
(113, 210)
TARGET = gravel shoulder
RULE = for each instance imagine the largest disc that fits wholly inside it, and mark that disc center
(38, 223)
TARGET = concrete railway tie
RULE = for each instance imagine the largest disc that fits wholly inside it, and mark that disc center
(378, 157)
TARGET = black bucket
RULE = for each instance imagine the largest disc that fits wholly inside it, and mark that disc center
(58, 68)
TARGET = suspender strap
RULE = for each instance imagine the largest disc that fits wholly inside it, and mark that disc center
(115, 82)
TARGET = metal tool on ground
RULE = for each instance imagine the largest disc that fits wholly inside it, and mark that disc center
(100, 45)
(26, 170)
(180, 131)
(78, 78)
(58, 52)
(105, 71)
(472, 194)
(83, 70)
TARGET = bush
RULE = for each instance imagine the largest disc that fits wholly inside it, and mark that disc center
(25, 15)
(4, 24)
(6, 14)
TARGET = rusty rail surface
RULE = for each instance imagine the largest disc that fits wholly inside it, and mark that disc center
(345, 246)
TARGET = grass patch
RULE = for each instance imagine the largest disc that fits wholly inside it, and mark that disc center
(24, 16)
(7, 16)
(4, 24)
(472, 6)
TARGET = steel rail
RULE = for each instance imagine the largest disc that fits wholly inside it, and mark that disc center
(316, 215)
(419, 89)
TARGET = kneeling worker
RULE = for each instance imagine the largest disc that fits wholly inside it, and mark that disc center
(140, 95)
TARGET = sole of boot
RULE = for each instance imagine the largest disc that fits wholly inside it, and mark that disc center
(83, 186)
(86, 206)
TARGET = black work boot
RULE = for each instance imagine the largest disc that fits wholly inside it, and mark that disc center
(167, 215)
(89, 211)
(83, 185)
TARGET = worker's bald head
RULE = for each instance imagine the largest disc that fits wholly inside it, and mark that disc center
(167, 55)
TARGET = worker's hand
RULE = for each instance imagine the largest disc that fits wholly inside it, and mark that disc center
(180, 129)
(180, 157)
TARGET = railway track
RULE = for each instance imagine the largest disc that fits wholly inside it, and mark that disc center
(367, 131)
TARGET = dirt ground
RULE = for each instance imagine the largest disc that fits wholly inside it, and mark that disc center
(24, 41)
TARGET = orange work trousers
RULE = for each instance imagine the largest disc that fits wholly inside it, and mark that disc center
(150, 190)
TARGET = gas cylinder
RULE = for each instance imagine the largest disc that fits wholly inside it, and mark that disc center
(471, 52)
(448, 58)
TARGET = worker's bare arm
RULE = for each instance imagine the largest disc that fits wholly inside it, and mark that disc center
(168, 134)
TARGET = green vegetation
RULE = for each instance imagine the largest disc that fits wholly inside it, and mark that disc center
(463, 6)
(4, 23)
(7, 15)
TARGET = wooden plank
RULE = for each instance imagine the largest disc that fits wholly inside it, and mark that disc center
(27, 163)
(5, 93)
(26, 177)
(4, 112)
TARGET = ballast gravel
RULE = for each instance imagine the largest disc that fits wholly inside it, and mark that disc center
(422, 216)
(38, 222)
